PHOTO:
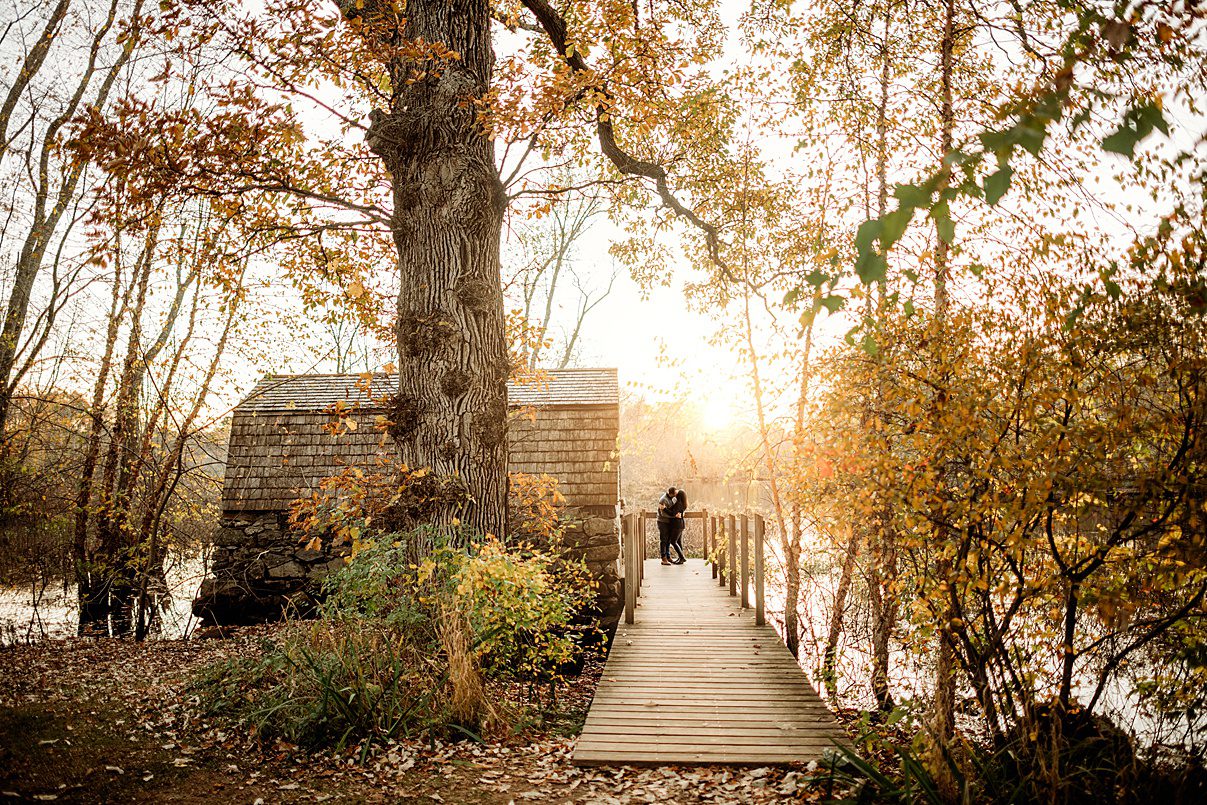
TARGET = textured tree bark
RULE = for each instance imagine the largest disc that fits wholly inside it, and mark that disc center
(115, 560)
(883, 595)
(450, 413)
(1067, 655)
(792, 583)
(91, 593)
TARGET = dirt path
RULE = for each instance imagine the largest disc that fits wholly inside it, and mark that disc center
(110, 721)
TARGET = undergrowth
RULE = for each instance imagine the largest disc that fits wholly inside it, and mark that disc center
(409, 647)
(1082, 762)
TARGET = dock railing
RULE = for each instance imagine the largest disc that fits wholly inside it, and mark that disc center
(732, 543)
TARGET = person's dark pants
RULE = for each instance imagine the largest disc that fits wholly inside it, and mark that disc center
(677, 529)
(664, 538)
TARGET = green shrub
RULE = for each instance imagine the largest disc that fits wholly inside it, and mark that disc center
(379, 584)
(518, 606)
(409, 648)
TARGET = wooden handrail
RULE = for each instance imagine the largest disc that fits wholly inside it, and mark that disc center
(731, 554)
(628, 531)
(744, 553)
(735, 527)
(640, 543)
(718, 566)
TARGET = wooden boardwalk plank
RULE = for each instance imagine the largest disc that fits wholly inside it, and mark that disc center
(695, 681)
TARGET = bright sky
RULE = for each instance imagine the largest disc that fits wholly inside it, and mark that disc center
(656, 340)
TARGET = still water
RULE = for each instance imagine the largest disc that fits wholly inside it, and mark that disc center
(36, 612)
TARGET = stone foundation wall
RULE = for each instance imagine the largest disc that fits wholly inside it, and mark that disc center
(259, 571)
(594, 538)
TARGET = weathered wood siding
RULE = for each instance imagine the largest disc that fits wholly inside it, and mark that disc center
(576, 445)
(280, 447)
(276, 457)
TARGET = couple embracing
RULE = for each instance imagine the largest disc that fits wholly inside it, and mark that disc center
(671, 507)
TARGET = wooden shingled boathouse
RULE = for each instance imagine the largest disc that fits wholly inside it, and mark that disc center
(564, 424)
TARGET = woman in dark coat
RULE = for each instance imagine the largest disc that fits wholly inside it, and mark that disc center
(678, 524)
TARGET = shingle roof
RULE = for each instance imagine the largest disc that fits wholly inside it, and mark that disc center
(553, 388)
(557, 387)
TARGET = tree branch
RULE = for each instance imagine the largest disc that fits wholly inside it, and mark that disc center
(554, 25)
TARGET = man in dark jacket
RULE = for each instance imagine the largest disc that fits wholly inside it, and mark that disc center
(666, 514)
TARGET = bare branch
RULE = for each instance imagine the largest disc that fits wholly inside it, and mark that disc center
(554, 26)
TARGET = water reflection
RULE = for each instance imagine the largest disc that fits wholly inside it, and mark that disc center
(48, 610)
(911, 668)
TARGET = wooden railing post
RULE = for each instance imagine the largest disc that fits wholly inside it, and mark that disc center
(745, 562)
(718, 528)
(640, 541)
(760, 614)
(731, 531)
(712, 542)
(631, 582)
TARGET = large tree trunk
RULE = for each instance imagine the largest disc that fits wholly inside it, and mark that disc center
(450, 413)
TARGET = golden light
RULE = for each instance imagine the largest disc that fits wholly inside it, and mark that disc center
(716, 413)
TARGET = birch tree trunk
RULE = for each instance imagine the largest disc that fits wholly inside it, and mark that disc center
(91, 593)
(115, 558)
(50, 201)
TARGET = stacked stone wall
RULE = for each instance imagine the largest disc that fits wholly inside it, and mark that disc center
(261, 572)
(593, 537)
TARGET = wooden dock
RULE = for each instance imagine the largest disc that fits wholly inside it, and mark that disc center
(695, 680)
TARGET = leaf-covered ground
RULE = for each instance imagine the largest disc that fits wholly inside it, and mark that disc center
(111, 721)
